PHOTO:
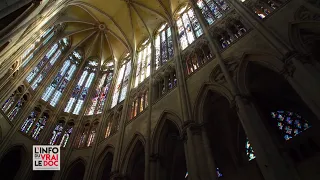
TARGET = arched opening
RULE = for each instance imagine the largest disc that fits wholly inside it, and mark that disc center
(42, 175)
(105, 167)
(76, 171)
(172, 164)
(136, 164)
(228, 140)
(11, 163)
(289, 120)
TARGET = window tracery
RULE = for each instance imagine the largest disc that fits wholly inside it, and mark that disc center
(290, 124)
(212, 9)
(55, 89)
(84, 135)
(197, 58)
(143, 63)
(61, 133)
(15, 102)
(188, 26)
(35, 123)
(93, 134)
(101, 91)
(139, 104)
(80, 92)
(262, 8)
(56, 133)
(163, 45)
(121, 87)
(233, 31)
(35, 47)
(164, 83)
(46, 63)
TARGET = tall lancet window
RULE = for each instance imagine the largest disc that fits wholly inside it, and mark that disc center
(101, 91)
(39, 126)
(81, 90)
(93, 133)
(143, 63)
(30, 120)
(55, 89)
(66, 134)
(121, 87)
(39, 72)
(163, 45)
(15, 103)
(57, 133)
(34, 48)
(188, 26)
(84, 135)
(212, 9)
(35, 123)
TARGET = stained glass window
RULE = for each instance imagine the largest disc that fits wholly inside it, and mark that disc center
(80, 92)
(212, 9)
(66, 136)
(188, 27)
(56, 133)
(34, 48)
(163, 45)
(55, 89)
(46, 63)
(92, 134)
(26, 126)
(16, 107)
(39, 126)
(143, 65)
(219, 174)
(139, 104)
(101, 91)
(249, 151)
(121, 87)
(8, 103)
(84, 136)
(108, 130)
(290, 123)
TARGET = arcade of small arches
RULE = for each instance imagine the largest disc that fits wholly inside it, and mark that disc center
(115, 96)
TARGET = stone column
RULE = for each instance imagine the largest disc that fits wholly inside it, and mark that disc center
(149, 166)
(271, 163)
(115, 170)
(311, 87)
(185, 107)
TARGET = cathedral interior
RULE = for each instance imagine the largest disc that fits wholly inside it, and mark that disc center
(161, 89)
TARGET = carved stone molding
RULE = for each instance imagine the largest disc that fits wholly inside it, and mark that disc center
(217, 76)
(305, 14)
(288, 68)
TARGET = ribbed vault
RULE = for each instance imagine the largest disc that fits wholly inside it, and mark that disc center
(109, 29)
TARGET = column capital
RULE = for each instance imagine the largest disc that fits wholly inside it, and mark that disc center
(194, 127)
(288, 68)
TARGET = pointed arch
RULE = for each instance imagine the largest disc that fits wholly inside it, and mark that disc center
(138, 139)
(104, 164)
(76, 169)
(12, 160)
(165, 116)
(298, 41)
(202, 95)
(266, 60)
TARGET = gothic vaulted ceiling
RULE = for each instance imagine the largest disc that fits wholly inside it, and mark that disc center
(109, 29)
